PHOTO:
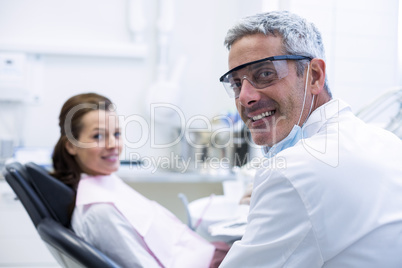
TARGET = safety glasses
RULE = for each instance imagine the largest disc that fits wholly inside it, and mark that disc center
(260, 73)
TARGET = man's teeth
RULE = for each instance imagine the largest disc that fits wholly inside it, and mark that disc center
(260, 116)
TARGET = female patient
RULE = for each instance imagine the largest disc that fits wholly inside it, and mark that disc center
(130, 229)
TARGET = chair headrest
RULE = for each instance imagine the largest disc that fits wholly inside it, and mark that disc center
(17, 166)
(19, 180)
(57, 196)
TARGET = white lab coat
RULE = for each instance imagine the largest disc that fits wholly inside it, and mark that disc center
(332, 200)
(121, 222)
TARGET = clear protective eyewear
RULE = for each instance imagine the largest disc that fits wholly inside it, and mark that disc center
(260, 73)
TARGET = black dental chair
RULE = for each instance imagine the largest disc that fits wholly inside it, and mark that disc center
(48, 201)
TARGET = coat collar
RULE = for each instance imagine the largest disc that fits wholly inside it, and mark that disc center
(326, 113)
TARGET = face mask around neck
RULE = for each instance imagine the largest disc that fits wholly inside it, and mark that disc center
(294, 135)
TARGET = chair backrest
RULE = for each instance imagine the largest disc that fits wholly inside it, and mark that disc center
(48, 201)
(57, 197)
(69, 249)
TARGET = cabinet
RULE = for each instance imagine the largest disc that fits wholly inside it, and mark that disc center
(20, 244)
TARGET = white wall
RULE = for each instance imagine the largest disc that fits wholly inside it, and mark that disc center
(360, 38)
(77, 22)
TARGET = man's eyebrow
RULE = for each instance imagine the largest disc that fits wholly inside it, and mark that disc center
(260, 64)
(254, 66)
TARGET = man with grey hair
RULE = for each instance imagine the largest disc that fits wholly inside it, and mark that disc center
(330, 191)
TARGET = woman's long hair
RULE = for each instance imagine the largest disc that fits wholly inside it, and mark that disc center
(65, 166)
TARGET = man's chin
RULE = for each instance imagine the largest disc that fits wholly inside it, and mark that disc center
(261, 141)
(264, 140)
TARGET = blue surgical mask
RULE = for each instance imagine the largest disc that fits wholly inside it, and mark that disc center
(294, 135)
(290, 140)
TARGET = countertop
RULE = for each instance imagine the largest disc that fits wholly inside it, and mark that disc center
(136, 173)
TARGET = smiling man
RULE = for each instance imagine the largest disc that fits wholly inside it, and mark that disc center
(337, 201)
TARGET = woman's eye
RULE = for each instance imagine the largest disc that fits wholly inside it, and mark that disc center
(117, 134)
(97, 136)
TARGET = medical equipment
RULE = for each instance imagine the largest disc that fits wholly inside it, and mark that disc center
(387, 105)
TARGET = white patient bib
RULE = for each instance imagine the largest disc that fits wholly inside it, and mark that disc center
(171, 241)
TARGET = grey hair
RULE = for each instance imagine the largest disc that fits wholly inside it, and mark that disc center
(299, 36)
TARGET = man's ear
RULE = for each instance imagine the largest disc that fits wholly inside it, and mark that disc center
(71, 149)
(317, 69)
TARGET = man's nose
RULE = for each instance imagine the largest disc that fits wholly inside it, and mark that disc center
(248, 93)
